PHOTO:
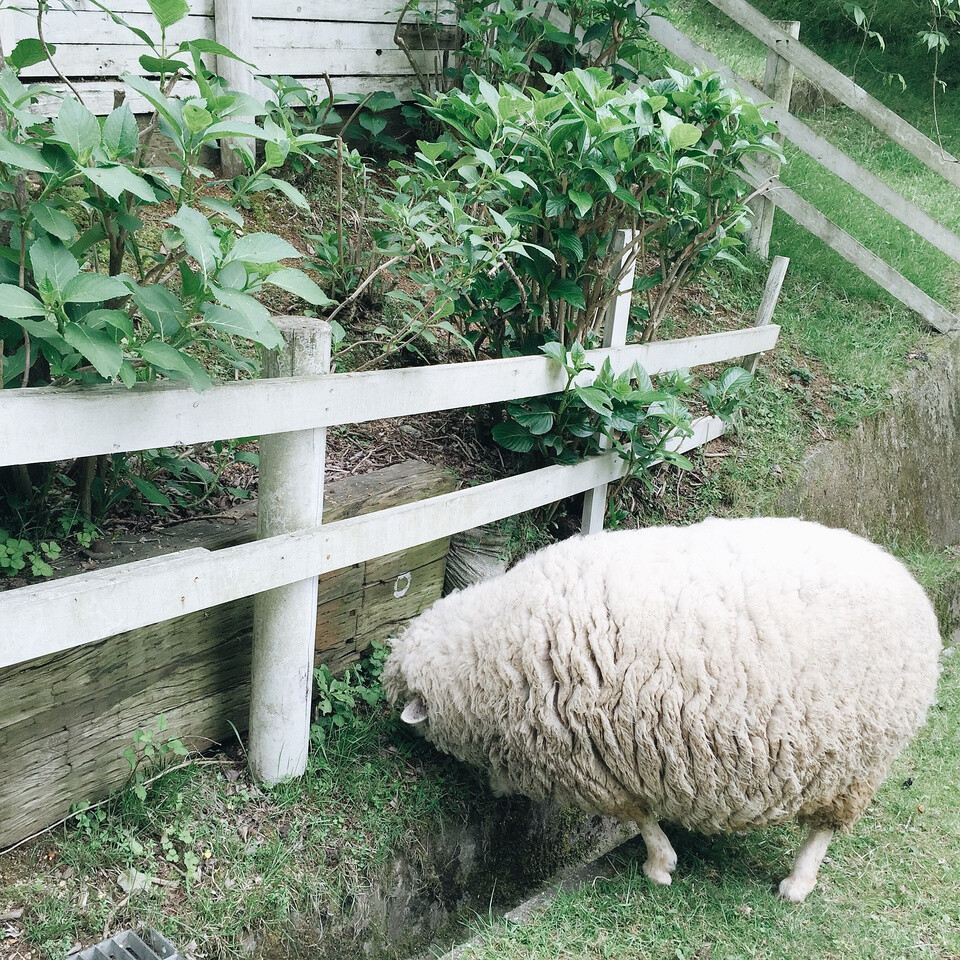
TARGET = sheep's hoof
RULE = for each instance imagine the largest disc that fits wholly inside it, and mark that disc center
(795, 889)
(658, 873)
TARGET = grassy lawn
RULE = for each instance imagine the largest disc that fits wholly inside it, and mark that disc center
(888, 891)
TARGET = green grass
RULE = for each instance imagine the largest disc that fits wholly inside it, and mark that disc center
(890, 890)
(230, 859)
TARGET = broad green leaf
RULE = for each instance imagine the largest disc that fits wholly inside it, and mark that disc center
(96, 346)
(647, 283)
(76, 128)
(233, 128)
(153, 64)
(198, 237)
(196, 117)
(556, 352)
(275, 154)
(169, 12)
(177, 365)
(154, 95)
(117, 180)
(250, 321)
(570, 291)
(94, 288)
(735, 379)
(535, 416)
(54, 266)
(118, 319)
(54, 221)
(684, 135)
(432, 151)
(223, 208)
(26, 158)
(16, 303)
(121, 135)
(511, 436)
(150, 491)
(161, 308)
(582, 201)
(290, 192)
(27, 52)
(201, 45)
(298, 283)
(262, 248)
(594, 398)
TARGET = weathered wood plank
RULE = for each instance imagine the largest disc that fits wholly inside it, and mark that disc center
(50, 423)
(334, 10)
(65, 720)
(878, 270)
(98, 94)
(43, 619)
(843, 88)
(815, 146)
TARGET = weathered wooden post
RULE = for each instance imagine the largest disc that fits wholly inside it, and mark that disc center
(768, 304)
(233, 28)
(285, 619)
(614, 335)
(778, 86)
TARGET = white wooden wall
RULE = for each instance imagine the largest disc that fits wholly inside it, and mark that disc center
(350, 40)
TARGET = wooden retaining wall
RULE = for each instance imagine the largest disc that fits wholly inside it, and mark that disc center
(66, 719)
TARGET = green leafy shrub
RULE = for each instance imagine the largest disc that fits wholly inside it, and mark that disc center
(561, 171)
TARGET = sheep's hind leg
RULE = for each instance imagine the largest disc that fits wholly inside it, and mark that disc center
(803, 876)
(661, 858)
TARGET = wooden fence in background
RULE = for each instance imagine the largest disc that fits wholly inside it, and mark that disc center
(786, 51)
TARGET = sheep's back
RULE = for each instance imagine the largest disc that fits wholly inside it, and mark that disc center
(720, 676)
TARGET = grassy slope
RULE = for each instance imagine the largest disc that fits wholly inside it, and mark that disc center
(889, 890)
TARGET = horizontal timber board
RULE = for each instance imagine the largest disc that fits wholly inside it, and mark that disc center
(46, 424)
(842, 87)
(811, 143)
(102, 60)
(98, 94)
(51, 617)
(854, 252)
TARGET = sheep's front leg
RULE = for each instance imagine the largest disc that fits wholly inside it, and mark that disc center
(661, 858)
(803, 876)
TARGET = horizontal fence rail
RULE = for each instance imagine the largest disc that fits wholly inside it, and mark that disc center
(89, 607)
(50, 423)
(854, 252)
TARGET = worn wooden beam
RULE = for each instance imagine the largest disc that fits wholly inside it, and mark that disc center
(811, 143)
(57, 423)
(51, 617)
(768, 304)
(778, 87)
(843, 88)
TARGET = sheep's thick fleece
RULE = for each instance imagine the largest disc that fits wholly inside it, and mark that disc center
(721, 676)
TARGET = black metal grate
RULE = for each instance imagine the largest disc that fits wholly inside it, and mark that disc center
(128, 946)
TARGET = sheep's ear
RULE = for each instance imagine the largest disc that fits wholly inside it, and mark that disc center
(414, 712)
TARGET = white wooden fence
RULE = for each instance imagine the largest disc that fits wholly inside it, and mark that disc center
(788, 49)
(48, 424)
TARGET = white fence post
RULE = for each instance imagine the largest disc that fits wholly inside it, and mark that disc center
(285, 619)
(233, 28)
(778, 86)
(768, 304)
(614, 335)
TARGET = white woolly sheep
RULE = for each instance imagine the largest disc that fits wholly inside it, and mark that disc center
(722, 676)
